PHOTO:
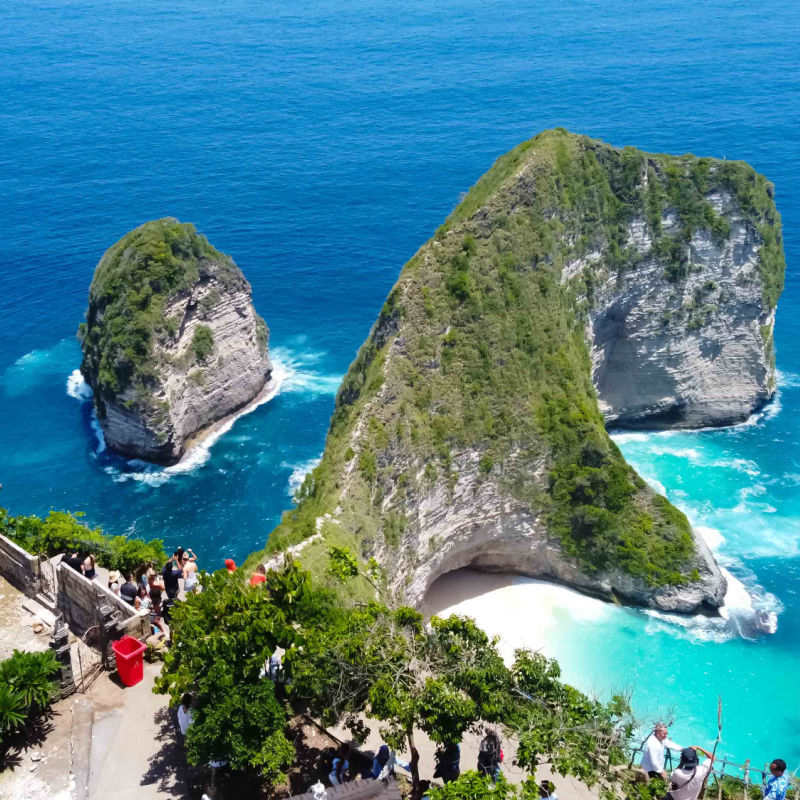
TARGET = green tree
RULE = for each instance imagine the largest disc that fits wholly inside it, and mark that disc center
(27, 686)
(222, 639)
(562, 727)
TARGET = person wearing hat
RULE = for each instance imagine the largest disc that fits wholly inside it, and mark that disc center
(653, 755)
(686, 782)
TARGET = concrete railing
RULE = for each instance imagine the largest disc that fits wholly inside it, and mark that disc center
(19, 567)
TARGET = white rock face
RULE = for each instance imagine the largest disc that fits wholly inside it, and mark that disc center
(195, 394)
(683, 354)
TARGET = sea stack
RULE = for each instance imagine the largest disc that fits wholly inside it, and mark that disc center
(171, 343)
(577, 285)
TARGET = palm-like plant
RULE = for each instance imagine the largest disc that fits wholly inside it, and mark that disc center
(13, 709)
(30, 676)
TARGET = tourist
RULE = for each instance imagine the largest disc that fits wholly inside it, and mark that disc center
(89, 570)
(547, 790)
(259, 576)
(113, 577)
(156, 612)
(128, 591)
(653, 755)
(189, 573)
(340, 765)
(448, 762)
(687, 781)
(172, 572)
(73, 560)
(143, 601)
(775, 788)
(230, 565)
(185, 713)
(490, 756)
(384, 763)
(154, 579)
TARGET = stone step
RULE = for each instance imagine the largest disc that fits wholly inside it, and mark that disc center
(36, 608)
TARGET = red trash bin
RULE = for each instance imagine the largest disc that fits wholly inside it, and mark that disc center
(130, 663)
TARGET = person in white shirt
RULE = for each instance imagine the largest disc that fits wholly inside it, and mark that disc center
(185, 716)
(653, 755)
(686, 782)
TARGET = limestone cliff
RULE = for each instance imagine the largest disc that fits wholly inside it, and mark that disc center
(171, 342)
(574, 280)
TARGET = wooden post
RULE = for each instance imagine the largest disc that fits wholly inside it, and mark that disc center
(719, 779)
(746, 779)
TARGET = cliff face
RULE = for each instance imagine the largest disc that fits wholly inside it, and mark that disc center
(690, 353)
(172, 343)
(576, 283)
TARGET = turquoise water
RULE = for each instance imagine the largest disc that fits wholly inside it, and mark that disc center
(320, 144)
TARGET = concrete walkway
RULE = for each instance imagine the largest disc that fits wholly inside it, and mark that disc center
(136, 753)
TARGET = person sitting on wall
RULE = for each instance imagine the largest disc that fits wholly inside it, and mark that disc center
(89, 570)
(73, 560)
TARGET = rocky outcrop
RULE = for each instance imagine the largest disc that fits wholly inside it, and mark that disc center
(576, 284)
(691, 354)
(172, 343)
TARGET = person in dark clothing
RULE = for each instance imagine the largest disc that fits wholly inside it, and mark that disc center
(490, 755)
(173, 570)
(448, 762)
(128, 591)
(74, 561)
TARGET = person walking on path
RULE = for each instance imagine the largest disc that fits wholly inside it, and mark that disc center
(653, 755)
(776, 787)
(686, 782)
(448, 762)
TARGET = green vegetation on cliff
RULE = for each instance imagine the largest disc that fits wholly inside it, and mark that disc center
(480, 348)
(132, 285)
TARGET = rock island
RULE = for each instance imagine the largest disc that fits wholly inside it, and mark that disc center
(576, 285)
(171, 343)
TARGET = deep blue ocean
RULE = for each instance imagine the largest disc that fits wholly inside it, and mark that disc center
(320, 144)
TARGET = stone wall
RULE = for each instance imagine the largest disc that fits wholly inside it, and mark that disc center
(19, 567)
(79, 599)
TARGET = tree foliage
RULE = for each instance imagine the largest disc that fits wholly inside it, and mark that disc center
(372, 661)
(62, 532)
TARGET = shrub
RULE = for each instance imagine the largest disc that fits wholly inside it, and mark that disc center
(203, 342)
(27, 687)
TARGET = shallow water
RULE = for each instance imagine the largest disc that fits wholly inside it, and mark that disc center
(320, 144)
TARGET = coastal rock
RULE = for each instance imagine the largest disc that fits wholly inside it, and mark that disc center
(576, 285)
(688, 354)
(171, 342)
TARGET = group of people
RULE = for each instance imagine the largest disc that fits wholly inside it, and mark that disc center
(448, 764)
(686, 782)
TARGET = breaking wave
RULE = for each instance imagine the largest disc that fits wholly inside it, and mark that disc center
(299, 472)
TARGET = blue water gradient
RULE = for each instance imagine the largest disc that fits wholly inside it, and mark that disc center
(320, 143)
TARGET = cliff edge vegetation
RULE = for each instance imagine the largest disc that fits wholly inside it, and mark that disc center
(469, 431)
(171, 341)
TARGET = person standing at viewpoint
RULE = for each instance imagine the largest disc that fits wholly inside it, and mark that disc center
(653, 755)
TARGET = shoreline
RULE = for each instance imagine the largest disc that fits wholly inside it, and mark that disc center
(206, 437)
